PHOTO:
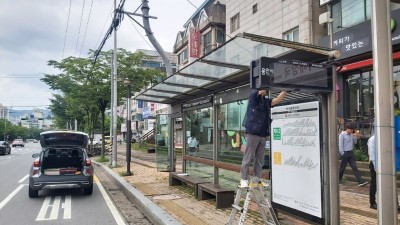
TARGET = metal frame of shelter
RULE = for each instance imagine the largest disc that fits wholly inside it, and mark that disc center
(228, 67)
(224, 67)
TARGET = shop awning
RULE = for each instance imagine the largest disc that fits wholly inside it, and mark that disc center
(228, 66)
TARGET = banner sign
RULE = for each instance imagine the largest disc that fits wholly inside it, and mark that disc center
(194, 42)
(140, 104)
(296, 157)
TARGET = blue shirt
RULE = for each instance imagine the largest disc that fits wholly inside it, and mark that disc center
(346, 142)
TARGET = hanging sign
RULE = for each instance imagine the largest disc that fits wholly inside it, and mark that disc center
(194, 42)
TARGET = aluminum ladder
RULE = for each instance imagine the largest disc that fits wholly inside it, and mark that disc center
(256, 190)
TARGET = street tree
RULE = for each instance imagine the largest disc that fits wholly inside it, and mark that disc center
(85, 88)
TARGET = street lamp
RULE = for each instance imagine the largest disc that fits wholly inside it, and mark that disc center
(127, 83)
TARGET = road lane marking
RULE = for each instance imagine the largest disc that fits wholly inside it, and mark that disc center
(43, 210)
(111, 206)
(55, 208)
(53, 203)
(10, 196)
(22, 180)
(67, 207)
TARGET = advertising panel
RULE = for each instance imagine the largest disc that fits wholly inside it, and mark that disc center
(296, 157)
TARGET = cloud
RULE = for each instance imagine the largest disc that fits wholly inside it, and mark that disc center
(34, 32)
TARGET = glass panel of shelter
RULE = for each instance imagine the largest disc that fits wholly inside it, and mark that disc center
(246, 51)
(162, 142)
(230, 137)
(199, 141)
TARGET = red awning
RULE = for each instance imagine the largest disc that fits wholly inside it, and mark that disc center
(364, 63)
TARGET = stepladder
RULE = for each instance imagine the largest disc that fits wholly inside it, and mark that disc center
(257, 192)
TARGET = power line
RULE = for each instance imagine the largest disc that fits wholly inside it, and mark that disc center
(151, 46)
(80, 24)
(87, 25)
(109, 15)
(20, 106)
(192, 4)
(114, 24)
(66, 30)
(18, 76)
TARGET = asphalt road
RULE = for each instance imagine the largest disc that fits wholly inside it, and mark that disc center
(51, 207)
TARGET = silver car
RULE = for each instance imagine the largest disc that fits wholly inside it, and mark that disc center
(62, 163)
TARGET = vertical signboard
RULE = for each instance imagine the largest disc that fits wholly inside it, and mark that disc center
(296, 158)
(140, 104)
(194, 42)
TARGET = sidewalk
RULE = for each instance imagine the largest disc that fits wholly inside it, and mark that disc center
(180, 202)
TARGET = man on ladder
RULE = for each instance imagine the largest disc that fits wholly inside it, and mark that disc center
(257, 122)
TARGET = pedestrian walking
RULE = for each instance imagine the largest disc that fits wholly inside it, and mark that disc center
(347, 140)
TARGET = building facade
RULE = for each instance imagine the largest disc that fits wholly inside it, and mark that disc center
(4, 111)
(355, 81)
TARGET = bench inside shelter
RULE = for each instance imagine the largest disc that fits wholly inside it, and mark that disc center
(224, 197)
(178, 178)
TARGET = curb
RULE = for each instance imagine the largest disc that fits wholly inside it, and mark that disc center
(152, 211)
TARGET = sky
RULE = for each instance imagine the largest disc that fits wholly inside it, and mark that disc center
(36, 31)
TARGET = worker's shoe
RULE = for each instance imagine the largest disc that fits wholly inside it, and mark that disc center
(244, 183)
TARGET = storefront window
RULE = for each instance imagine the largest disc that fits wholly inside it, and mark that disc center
(199, 133)
(231, 132)
(347, 13)
(360, 101)
(361, 96)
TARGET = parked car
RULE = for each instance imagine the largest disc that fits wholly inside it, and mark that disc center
(18, 142)
(5, 148)
(96, 142)
(62, 163)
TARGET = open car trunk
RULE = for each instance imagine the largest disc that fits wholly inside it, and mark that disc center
(62, 161)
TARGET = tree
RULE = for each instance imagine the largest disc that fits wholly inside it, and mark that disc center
(85, 88)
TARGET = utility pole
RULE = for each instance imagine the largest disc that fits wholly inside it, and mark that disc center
(114, 99)
(127, 82)
(167, 63)
(384, 116)
(334, 199)
(152, 39)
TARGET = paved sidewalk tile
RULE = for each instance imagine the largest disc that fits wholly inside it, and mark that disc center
(180, 201)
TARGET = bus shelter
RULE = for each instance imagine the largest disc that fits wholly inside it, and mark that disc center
(208, 100)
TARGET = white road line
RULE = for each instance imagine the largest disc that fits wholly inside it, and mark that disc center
(43, 210)
(22, 180)
(55, 208)
(67, 207)
(10, 196)
(110, 204)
